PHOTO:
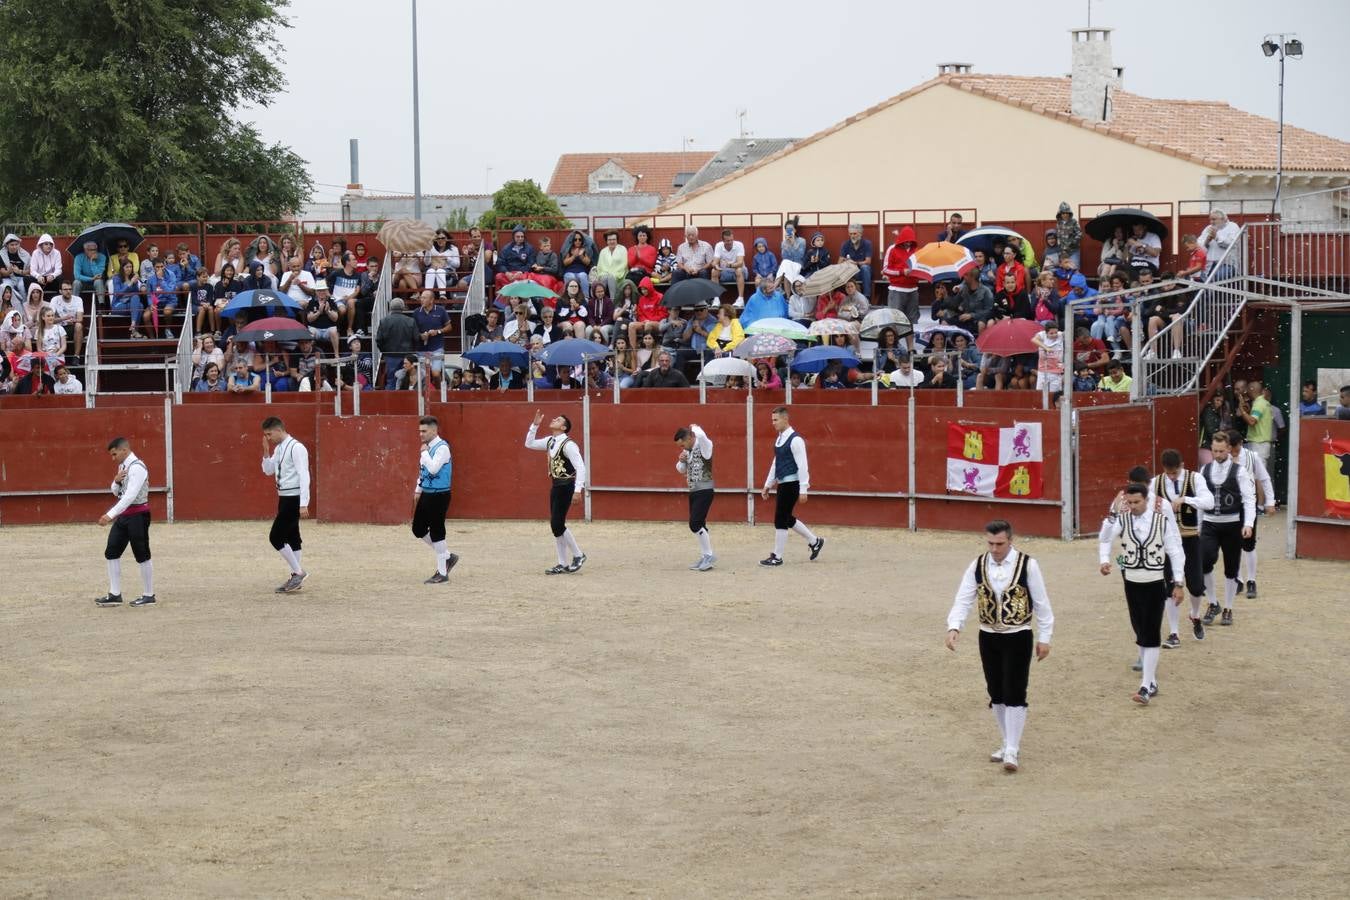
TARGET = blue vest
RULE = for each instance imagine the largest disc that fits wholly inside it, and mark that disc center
(784, 463)
(440, 482)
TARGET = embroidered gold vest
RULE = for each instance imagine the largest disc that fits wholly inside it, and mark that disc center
(1010, 609)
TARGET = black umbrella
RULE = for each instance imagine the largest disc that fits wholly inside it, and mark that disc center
(106, 235)
(274, 329)
(1103, 226)
(691, 292)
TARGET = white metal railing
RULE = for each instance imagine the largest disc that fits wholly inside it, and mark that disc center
(384, 293)
(1329, 207)
(1291, 259)
(475, 301)
(182, 380)
(91, 357)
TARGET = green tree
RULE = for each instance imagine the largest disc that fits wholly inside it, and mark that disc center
(523, 203)
(82, 208)
(458, 220)
(132, 102)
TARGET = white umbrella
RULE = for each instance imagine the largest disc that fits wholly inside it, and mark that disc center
(793, 331)
(832, 326)
(885, 317)
(718, 369)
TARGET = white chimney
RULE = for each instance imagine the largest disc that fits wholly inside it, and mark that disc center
(954, 68)
(1093, 78)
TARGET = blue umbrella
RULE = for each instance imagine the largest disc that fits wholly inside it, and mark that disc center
(572, 352)
(259, 300)
(491, 353)
(983, 238)
(816, 359)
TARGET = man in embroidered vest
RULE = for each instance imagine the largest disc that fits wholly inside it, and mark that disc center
(1188, 495)
(790, 472)
(130, 521)
(1265, 498)
(567, 470)
(1007, 590)
(696, 465)
(431, 496)
(1232, 521)
(1147, 538)
(287, 461)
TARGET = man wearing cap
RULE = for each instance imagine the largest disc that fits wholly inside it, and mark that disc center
(89, 268)
(321, 314)
(515, 259)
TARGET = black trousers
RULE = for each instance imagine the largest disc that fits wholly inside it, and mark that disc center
(1225, 537)
(134, 530)
(1006, 659)
(559, 502)
(286, 525)
(699, 504)
(788, 492)
(1195, 567)
(1249, 544)
(429, 515)
(1146, 600)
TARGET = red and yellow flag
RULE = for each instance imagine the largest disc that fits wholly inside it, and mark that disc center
(1336, 460)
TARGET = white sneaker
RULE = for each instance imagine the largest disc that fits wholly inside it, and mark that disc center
(1149, 353)
(1010, 760)
(1176, 354)
(706, 562)
(997, 755)
(698, 566)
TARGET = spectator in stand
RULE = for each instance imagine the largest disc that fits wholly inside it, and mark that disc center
(204, 353)
(70, 314)
(469, 253)
(1343, 411)
(298, 284)
(226, 286)
(1068, 235)
(1010, 301)
(12, 326)
(490, 327)
(903, 290)
(441, 246)
(1116, 381)
(1012, 265)
(245, 349)
(939, 374)
(572, 312)
(726, 335)
(1050, 259)
(859, 250)
(666, 263)
(801, 308)
(323, 317)
(817, 257)
(792, 249)
(1045, 303)
(967, 359)
(306, 370)
(1163, 312)
(693, 258)
(1114, 255)
(128, 295)
(598, 378)
(230, 252)
(904, 375)
(243, 380)
(396, 338)
(729, 263)
(625, 307)
(148, 261)
(642, 255)
(602, 314)
(766, 376)
(988, 271)
(407, 272)
(363, 257)
(358, 374)
(577, 258)
(361, 305)
(348, 287)
(51, 339)
(337, 247)
(161, 299)
(665, 375)
(435, 275)
(650, 317)
(702, 321)
(1309, 405)
(625, 362)
(14, 263)
(1112, 323)
(767, 302)
(763, 263)
(953, 230)
(974, 303)
(259, 280)
(888, 352)
(285, 251)
(1023, 251)
(946, 307)
(546, 270)
(1219, 235)
(1023, 375)
(66, 383)
(1144, 249)
(89, 274)
(433, 323)
(174, 270)
(1083, 313)
(210, 381)
(1084, 379)
(260, 250)
(1049, 358)
(645, 356)
(506, 378)
(548, 330)
(1196, 258)
(1089, 353)
(611, 263)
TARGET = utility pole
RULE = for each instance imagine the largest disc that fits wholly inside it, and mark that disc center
(417, 126)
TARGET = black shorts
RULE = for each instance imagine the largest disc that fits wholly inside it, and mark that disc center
(699, 504)
(1225, 538)
(429, 516)
(1145, 600)
(134, 530)
(1249, 544)
(1006, 659)
(559, 502)
(788, 492)
(286, 525)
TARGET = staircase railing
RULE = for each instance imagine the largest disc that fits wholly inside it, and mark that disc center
(475, 301)
(91, 357)
(384, 293)
(182, 380)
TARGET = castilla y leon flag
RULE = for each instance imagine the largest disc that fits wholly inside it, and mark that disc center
(988, 461)
(1336, 460)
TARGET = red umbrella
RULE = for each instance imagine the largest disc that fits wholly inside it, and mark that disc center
(1009, 337)
(274, 329)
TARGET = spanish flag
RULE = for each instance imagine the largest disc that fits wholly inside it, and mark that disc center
(1336, 459)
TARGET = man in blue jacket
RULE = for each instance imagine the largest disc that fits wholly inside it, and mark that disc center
(764, 303)
(514, 260)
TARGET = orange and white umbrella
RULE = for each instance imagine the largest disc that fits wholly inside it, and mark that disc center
(941, 261)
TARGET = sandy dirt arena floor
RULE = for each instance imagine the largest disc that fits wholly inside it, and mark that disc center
(642, 730)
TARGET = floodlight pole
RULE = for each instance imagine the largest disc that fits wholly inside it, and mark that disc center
(1279, 141)
(417, 128)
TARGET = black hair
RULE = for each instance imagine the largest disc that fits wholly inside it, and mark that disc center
(429, 420)
(1236, 437)
(1137, 474)
(1311, 384)
(1136, 489)
(999, 526)
(567, 424)
(118, 442)
(1114, 366)
(613, 232)
(1171, 459)
(682, 433)
(271, 422)
(727, 232)
(781, 411)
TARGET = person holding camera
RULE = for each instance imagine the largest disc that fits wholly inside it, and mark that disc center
(321, 314)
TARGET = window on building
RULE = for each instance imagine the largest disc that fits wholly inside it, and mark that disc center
(609, 185)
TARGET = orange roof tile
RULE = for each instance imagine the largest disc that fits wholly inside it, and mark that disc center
(658, 170)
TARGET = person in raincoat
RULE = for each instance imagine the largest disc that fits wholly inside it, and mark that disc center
(14, 263)
(763, 263)
(903, 293)
(1069, 234)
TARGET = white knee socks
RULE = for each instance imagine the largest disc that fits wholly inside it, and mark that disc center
(1000, 716)
(442, 556)
(1249, 563)
(1230, 587)
(805, 532)
(704, 542)
(1209, 588)
(1196, 603)
(299, 563)
(291, 559)
(560, 543)
(1150, 658)
(571, 544)
(780, 541)
(148, 578)
(115, 576)
(1173, 616)
(1016, 717)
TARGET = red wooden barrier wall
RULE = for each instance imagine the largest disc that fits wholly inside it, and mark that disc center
(1318, 539)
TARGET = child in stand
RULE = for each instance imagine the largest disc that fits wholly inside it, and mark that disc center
(359, 251)
(665, 263)
(575, 319)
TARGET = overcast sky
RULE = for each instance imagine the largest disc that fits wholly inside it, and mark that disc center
(512, 85)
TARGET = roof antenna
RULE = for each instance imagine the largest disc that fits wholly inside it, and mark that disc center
(1089, 6)
(740, 116)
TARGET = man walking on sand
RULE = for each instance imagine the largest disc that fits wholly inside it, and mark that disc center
(790, 473)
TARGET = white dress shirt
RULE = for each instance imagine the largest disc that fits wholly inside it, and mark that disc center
(1259, 474)
(1142, 525)
(559, 443)
(1219, 473)
(998, 576)
(703, 446)
(1203, 499)
(134, 489)
(289, 464)
(803, 476)
(433, 462)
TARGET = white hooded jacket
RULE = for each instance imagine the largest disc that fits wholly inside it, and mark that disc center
(46, 263)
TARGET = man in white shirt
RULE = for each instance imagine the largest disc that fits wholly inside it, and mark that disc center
(1229, 524)
(296, 283)
(130, 521)
(1010, 590)
(696, 465)
(287, 461)
(1186, 495)
(790, 473)
(66, 383)
(431, 496)
(69, 309)
(729, 264)
(567, 470)
(1144, 247)
(1265, 499)
(1147, 539)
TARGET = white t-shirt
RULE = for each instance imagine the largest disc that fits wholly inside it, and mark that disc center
(1149, 240)
(67, 310)
(70, 386)
(726, 258)
(53, 339)
(294, 291)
